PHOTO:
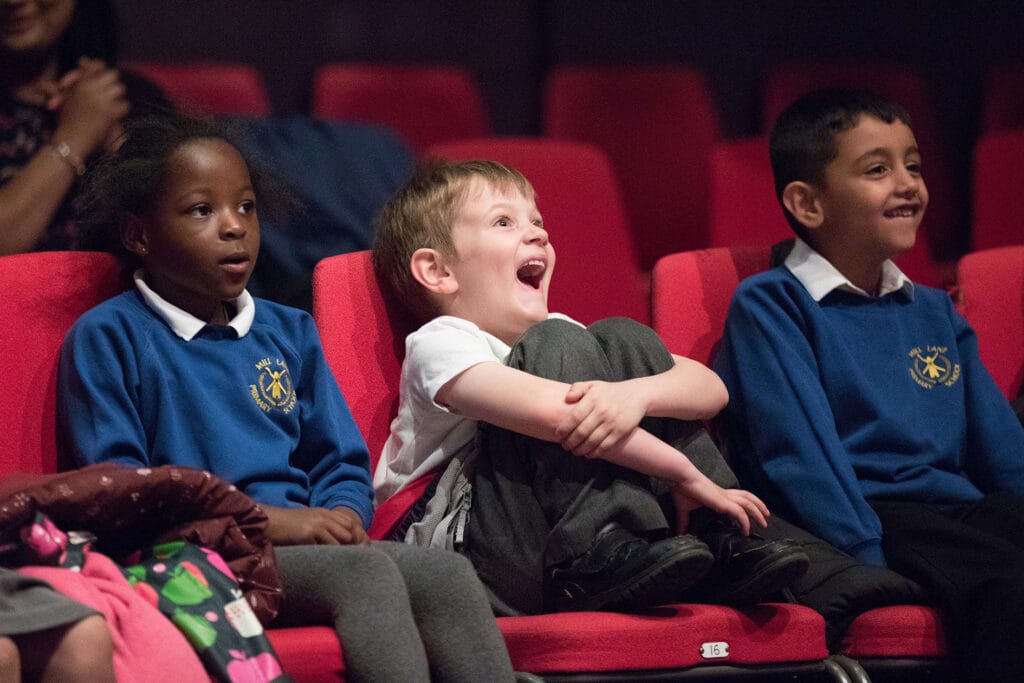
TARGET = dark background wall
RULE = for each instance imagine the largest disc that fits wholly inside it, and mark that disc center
(509, 46)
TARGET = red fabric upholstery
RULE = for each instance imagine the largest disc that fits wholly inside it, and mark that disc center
(209, 88)
(744, 210)
(691, 295)
(991, 284)
(998, 200)
(657, 123)
(424, 104)
(598, 272)
(364, 341)
(44, 293)
(897, 631)
(664, 638)
(907, 87)
(1002, 98)
(309, 654)
(363, 335)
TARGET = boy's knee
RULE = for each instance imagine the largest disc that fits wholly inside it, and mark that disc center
(620, 333)
(635, 346)
(559, 350)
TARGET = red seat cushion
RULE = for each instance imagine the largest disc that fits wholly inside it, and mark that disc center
(668, 637)
(309, 653)
(896, 631)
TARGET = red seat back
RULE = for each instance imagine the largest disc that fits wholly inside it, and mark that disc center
(744, 210)
(998, 200)
(363, 334)
(424, 104)
(598, 272)
(657, 124)
(44, 293)
(691, 292)
(991, 291)
(209, 88)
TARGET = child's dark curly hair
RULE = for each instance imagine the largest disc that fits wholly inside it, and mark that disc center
(127, 183)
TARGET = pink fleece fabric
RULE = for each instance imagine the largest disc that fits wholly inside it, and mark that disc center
(147, 646)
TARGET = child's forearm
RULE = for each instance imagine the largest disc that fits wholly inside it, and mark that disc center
(687, 391)
(647, 454)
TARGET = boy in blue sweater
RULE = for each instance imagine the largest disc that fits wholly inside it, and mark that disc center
(186, 368)
(859, 405)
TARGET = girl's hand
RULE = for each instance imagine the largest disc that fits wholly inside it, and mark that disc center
(739, 504)
(315, 526)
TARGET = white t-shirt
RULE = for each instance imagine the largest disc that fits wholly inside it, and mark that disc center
(426, 435)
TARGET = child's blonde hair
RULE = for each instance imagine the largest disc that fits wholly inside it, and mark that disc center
(420, 216)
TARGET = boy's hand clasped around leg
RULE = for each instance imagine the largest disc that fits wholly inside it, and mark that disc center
(603, 415)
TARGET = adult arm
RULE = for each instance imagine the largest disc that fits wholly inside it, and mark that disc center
(89, 112)
(778, 403)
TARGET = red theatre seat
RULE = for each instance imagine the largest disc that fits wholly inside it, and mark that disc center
(424, 104)
(998, 200)
(691, 295)
(598, 272)
(363, 332)
(657, 124)
(991, 297)
(207, 88)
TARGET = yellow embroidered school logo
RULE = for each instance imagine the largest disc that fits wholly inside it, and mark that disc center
(273, 388)
(930, 367)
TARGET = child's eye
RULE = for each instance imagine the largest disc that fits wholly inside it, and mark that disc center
(247, 207)
(199, 211)
(914, 167)
(503, 222)
(877, 169)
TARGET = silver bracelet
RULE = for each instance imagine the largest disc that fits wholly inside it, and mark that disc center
(62, 150)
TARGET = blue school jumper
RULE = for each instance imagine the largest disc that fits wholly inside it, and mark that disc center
(261, 410)
(854, 398)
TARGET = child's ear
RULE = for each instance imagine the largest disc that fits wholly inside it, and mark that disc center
(430, 269)
(801, 200)
(134, 237)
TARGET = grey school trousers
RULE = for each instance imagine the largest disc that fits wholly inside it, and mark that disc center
(401, 612)
(535, 505)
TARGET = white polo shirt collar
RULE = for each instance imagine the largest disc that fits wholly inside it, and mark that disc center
(820, 277)
(186, 325)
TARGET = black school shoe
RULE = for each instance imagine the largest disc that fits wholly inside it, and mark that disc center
(623, 570)
(747, 569)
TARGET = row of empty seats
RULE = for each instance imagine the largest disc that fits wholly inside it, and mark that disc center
(685, 185)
